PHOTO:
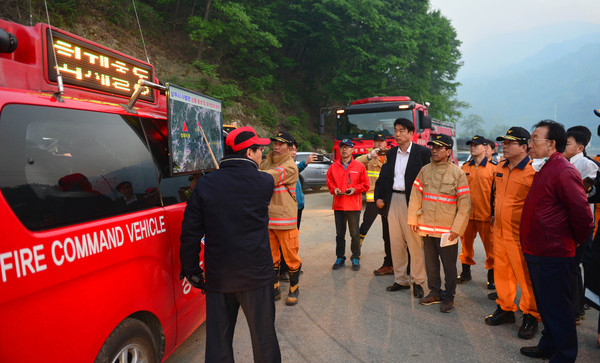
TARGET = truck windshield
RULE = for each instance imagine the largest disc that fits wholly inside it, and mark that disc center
(366, 125)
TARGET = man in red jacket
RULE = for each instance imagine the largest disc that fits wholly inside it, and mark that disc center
(556, 218)
(347, 179)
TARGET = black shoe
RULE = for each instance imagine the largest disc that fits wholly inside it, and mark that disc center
(490, 282)
(534, 352)
(276, 292)
(397, 287)
(528, 327)
(492, 295)
(292, 298)
(465, 275)
(418, 291)
(500, 317)
(355, 263)
(579, 318)
(339, 263)
(447, 305)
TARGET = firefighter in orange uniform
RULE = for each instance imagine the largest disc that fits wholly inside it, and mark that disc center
(514, 176)
(283, 213)
(480, 175)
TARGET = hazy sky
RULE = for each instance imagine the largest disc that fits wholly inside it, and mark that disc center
(475, 20)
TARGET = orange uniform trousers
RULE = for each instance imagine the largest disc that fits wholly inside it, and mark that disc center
(289, 241)
(484, 228)
(510, 269)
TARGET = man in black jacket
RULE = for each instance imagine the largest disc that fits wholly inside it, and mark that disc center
(392, 192)
(230, 208)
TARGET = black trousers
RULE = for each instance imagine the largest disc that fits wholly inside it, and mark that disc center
(369, 216)
(449, 254)
(577, 283)
(551, 279)
(352, 218)
(221, 316)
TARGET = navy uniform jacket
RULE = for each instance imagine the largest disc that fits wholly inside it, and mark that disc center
(230, 207)
(419, 156)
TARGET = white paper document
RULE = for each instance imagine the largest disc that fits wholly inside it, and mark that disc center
(446, 241)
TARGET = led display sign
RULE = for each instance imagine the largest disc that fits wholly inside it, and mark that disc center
(88, 66)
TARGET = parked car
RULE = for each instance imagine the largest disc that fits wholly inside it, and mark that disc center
(462, 157)
(315, 174)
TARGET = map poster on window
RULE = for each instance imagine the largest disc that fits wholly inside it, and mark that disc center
(195, 131)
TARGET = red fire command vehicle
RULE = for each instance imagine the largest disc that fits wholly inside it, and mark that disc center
(362, 119)
(89, 244)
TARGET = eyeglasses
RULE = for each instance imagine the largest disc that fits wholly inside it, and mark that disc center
(533, 141)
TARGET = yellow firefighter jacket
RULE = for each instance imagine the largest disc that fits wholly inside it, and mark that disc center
(440, 201)
(283, 210)
(373, 169)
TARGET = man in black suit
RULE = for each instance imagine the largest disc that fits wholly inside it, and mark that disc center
(392, 192)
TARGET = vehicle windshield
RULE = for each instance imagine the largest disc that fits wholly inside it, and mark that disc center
(366, 125)
(301, 156)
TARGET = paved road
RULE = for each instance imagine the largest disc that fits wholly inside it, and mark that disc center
(347, 316)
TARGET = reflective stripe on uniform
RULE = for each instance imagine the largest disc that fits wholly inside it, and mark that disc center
(283, 221)
(418, 184)
(433, 229)
(439, 198)
(283, 189)
(281, 174)
(462, 190)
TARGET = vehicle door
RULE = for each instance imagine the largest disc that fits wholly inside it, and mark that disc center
(174, 192)
(79, 204)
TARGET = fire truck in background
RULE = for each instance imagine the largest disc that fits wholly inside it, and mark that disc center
(91, 212)
(363, 119)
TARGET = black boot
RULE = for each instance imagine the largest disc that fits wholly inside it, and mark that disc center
(490, 283)
(276, 289)
(292, 298)
(465, 275)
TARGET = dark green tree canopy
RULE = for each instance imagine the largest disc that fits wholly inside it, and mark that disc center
(291, 56)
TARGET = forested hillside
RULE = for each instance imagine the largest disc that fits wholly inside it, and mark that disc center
(276, 63)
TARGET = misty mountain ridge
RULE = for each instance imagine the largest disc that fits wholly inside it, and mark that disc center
(561, 82)
(504, 50)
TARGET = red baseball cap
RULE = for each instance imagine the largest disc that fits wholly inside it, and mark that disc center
(244, 137)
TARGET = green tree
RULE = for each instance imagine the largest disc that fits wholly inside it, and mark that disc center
(471, 125)
(497, 130)
(233, 34)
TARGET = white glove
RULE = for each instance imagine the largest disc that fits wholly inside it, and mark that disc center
(374, 152)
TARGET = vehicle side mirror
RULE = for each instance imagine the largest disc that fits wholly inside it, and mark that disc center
(426, 122)
(321, 124)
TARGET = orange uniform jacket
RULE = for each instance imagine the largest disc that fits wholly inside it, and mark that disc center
(510, 197)
(481, 179)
